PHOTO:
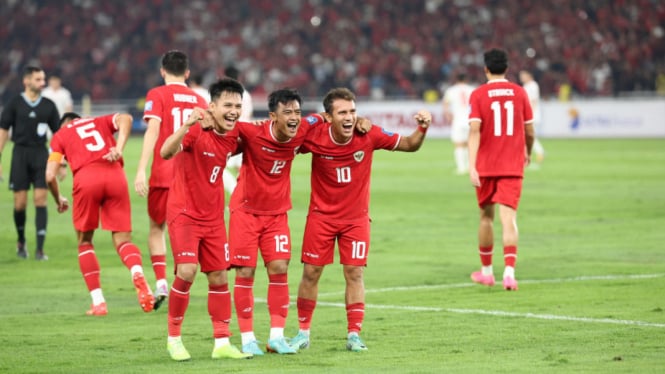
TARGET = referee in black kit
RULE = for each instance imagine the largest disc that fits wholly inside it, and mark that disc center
(29, 115)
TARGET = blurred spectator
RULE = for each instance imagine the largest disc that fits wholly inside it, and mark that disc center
(59, 95)
(378, 48)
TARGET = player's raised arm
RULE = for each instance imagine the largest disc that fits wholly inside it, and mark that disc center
(413, 142)
(172, 144)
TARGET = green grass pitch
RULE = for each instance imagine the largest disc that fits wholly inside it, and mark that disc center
(590, 266)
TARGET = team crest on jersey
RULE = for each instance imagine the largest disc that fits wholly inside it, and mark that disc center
(387, 132)
(311, 120)
(295, 150)
(148, 106)
(358, 156)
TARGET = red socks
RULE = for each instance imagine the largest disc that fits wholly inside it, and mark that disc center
(89, 266)
(305, 312)
(278, 299)
(129, 254)
(219, 309)
(159, 266)
(178, 302)
(355, 313)
(243, 298)
(485, 255)
(510, 255)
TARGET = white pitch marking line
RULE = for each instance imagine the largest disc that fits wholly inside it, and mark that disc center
(501, 313)
(504, 313)
(470, 284)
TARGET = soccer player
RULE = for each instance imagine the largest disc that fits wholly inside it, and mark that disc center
(29, 116)
(60, 95)
(456, 112)
(258, 218)
(195, 215)
(339, 206)
(500, 143)
(533, 91)
(166, 108)
(100, 191)
(196, 84)
(235, 162)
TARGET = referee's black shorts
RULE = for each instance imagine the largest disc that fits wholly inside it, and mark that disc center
(28, 167)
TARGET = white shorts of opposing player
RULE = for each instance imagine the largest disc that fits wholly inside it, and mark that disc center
(229, 178)
(459, 133)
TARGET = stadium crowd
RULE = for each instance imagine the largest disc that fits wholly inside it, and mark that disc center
(377, 48)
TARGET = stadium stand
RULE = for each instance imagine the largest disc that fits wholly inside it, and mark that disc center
(400, 48)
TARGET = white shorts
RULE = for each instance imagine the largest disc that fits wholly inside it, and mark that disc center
(234, 161)
(459, 133)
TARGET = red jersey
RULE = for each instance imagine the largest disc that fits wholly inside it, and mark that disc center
(171, 104)
(85, 141)
(197, 190)
(264, 183)
(340, 176)
(503, 109)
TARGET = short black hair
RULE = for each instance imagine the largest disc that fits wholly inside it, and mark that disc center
(231, 72)
(69, 116)
(225, 85)
(496, 61)
(284, 96)
(175, 63)
(197, 78)
(29, 70)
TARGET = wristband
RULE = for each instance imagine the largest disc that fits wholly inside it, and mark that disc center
(423, 129)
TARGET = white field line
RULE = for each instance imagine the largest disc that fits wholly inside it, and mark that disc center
(501, 313)
(582, 278)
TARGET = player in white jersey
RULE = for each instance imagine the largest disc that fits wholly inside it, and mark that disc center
(196, 84)
(59, 95)
(533, 91)
(456, 112)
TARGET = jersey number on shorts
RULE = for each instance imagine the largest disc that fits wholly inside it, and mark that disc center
(510, 117)
(281, 243)
(359, 250)
(179, 117)
(89, 131)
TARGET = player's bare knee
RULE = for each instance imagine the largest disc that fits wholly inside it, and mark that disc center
(245, 272)
(186, 272)
(278, 267)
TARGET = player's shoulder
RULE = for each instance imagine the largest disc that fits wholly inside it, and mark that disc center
(250, 128)
(46, 102)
